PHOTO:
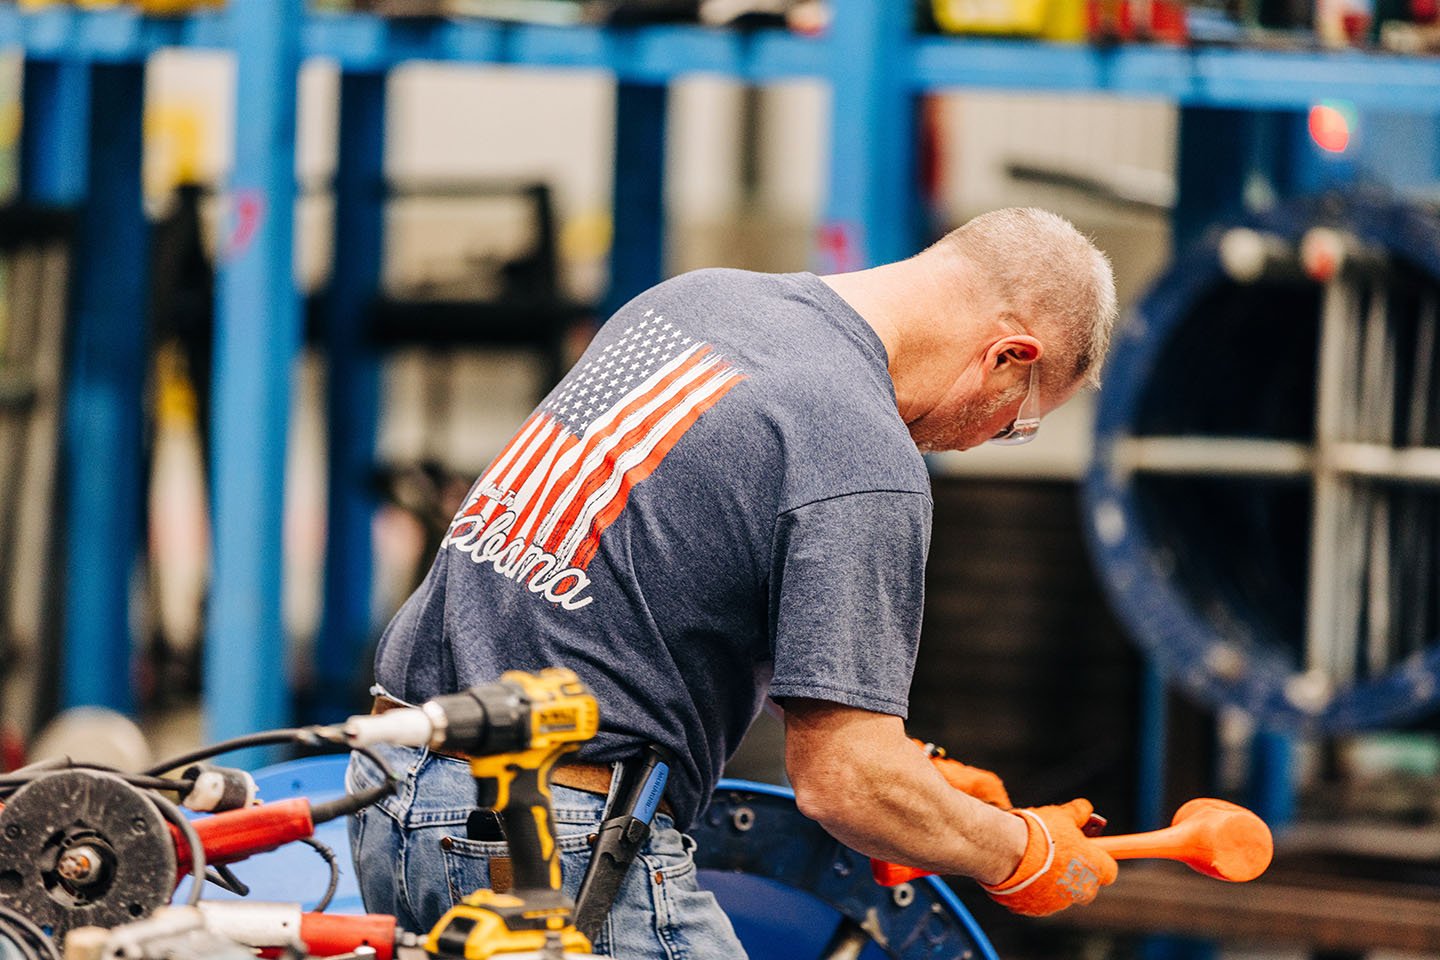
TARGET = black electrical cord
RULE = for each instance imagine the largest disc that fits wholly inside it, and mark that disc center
(171, 812)
(11, 782)
(222, 877)
(302, 735)
(305, 736)
(28, 938)
(212, 877)
(319, 813)
(41, 766)
(353, 803)
(334, 864)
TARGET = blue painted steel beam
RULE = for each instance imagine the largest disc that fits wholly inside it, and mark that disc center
(1218, 154)
(874, 209)
(257, 337)
(637, 250)
(55, 132)
(80, 148)
(1154, 737)
(353, 382)
(1202, 76)
(101, 450)
(367, 43)
(1272, 778)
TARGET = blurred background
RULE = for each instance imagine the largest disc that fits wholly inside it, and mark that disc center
(278, 280)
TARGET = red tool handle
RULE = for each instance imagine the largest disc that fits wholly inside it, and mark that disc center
(237, 834)
(271, 929)
(325, 935)
(893, 874)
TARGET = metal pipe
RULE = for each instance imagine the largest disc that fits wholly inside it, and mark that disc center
(1337, 311)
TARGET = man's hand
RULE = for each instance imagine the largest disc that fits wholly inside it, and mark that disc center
(982, 784)
(1061, 866)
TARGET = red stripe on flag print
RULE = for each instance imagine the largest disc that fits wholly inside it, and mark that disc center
(567, 474)
(477, 500)
(635, 448)
(505, 483)
(567, 467)
(600, 465)
(527, 497)
(632, 409)
(634, 475)
(545, 443)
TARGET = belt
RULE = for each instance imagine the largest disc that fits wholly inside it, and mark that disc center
(586, 777)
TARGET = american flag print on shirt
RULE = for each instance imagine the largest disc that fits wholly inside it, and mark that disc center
(537, 513)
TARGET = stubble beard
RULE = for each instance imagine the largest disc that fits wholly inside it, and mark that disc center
(952, 434)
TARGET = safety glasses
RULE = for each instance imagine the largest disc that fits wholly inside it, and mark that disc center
(1027, 421)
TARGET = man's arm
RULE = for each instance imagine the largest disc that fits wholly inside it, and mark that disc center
(858, 775)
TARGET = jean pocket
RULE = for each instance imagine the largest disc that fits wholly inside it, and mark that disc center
(669, 853)
(467, 862)
(691, 924)
(688, 920)
(363, 774)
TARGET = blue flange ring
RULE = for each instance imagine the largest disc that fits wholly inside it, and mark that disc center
(1208, 572)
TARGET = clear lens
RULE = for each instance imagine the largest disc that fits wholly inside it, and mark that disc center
(1027, 420)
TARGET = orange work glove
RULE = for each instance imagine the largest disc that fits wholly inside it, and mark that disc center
(979, 783)
(1060, 867)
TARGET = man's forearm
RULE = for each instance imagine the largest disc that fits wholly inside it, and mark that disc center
(903, 817)
(859, 776)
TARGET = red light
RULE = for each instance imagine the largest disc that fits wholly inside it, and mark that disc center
(1329, 128)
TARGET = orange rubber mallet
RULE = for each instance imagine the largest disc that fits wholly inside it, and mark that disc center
(1214, 837)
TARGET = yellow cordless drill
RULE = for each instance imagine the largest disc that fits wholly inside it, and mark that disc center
(513, 731)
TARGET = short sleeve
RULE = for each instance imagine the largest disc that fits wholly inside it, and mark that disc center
(847, 586)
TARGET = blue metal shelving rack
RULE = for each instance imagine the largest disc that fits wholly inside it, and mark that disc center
(80, 147)
(360, 43)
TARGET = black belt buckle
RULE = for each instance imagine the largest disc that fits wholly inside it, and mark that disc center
(622, 834)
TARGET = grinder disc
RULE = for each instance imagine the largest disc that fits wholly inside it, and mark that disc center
(80, 848)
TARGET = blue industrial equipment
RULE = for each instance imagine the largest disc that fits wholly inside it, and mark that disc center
(790, 888)
(1195, 76)
(1225, 451)
(81, 149)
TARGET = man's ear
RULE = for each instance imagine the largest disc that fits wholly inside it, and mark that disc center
(1015, 348)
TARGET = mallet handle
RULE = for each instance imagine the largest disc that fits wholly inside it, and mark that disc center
(1170, 843)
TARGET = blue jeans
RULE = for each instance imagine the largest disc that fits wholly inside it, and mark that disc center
(413, 860)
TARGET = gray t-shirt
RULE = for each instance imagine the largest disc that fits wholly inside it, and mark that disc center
(719, 502)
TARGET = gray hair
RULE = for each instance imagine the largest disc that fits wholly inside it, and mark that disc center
(1049, 275)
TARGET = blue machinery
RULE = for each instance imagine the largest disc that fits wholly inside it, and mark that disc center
(792, 890)
(1259, 466)
(1242, 116)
